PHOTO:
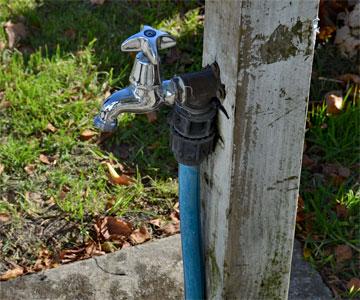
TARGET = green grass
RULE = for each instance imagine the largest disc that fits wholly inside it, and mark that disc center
(63, 82)
(335, 140)
(75, 61)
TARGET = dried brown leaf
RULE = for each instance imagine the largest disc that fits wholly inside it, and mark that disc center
(15, 32)
(50, 201)
(126, 245)
(87, 134)
(30, 169)
(34, 197)
(175, 217)
(140, 235)
(334, 102)
(44, 260)
(4, 104)
(115, 178)
(4, 217)
(51, 128)
(69, 255)
(112, 228)
(170, 228)
(343, 253)
(176, 206)
(2, 168)
(350, 78)
(45, 159)
(326, 32)
(9, 274)
(300, 210)
(354, 283)
(157, 222)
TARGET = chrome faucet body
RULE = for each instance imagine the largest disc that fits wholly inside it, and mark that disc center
(146, 91)
(194, 97)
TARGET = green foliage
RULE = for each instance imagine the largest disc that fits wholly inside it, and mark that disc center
(74, 58)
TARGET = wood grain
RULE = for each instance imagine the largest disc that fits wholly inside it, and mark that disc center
(250, 184)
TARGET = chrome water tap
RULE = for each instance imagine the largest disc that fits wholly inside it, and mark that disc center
(146, 91)
(194, 97)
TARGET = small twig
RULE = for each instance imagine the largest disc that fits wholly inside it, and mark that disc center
(331, 79)
(102, 269)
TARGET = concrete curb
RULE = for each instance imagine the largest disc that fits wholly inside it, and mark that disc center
(149, 271)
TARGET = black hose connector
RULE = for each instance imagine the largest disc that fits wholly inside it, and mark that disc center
(193, 119)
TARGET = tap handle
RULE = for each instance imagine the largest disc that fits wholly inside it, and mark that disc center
(149, 41)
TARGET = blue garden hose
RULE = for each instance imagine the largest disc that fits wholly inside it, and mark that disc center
(193, 265)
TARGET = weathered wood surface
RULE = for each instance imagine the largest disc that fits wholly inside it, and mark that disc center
(250, 184)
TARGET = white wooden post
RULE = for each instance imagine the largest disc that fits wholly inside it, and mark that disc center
(250, 184)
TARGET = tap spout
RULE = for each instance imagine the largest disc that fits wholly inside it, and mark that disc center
(135, 99)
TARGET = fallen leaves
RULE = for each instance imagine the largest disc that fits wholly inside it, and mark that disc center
(15, 32)
(30, 169)
(115, 178)
(140, 235)
(87, 134)
(4, 104)
(2, 168)
(170, 228)
(112, 228)
(33, 197)
(353, 284)
(334, 102)
(51, 128)
(44, 261)
(167, 228)
(326, 32)
(12, 273)
(343, 253)
(4, 217)
(87, 251)
(350, 78)
(300, 209)
(44, 159)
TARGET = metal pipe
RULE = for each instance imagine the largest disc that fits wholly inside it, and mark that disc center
(193, 265)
